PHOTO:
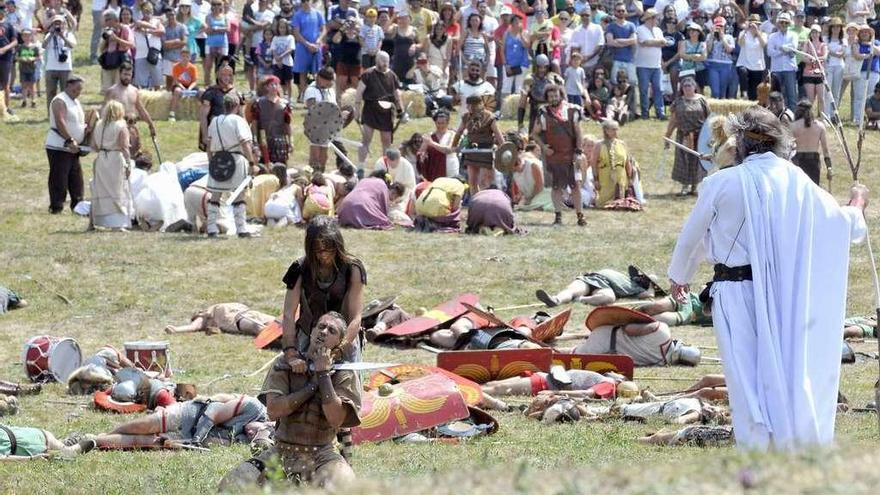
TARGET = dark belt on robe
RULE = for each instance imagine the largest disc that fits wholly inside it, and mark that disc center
(724, 273)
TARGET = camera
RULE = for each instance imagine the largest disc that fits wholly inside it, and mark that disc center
(62, 56)
(106, 34)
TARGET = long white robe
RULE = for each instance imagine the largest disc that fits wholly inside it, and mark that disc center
(779, 335)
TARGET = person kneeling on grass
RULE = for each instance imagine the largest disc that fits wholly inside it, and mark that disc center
(438, 207)
(312, 406)
(19, 443)
(185, 75)
(232, 318)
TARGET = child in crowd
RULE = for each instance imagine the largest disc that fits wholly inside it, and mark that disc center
(618, 109)
(283, 45)
(575, 80)
(264, 54)
(28, 54)
(185, 75)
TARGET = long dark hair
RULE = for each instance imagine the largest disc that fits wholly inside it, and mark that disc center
(325, 229)
(804, 110)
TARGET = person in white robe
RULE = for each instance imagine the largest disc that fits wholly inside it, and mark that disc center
(402, 171)
(111, 196)
(780, 245)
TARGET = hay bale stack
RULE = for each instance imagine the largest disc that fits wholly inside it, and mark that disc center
(723, 107)
(509, 106)
(417, 109)
(158, 103)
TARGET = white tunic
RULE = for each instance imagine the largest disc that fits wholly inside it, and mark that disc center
(74, 120)
(645, 350)
(779, 335)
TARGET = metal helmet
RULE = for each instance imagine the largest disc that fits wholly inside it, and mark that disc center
(541, 60)
(679, 353)
(627, 390)
(124, 391)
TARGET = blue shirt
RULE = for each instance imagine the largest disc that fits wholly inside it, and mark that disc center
(309, 23)
(780, 61)
(515, 53)
(627, 30)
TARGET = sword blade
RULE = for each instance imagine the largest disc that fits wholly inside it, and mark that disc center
(682, 147)
(362, 366)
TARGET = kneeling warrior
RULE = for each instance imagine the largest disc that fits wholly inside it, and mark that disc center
(312, 407)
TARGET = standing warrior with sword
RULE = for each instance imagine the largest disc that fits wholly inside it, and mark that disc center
(482, 132)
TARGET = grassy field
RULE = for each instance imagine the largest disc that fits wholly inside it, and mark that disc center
(129, 286)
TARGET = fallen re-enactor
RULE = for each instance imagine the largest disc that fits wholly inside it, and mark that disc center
(19, 443)
(780, 284)
(10, 300)
(693, 435)
(11, 388)
(600, 288)
(222, 417)
(311, 407)
(557, 379)
(647, 341)
(233, 318)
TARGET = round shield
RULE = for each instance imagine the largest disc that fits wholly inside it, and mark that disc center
(704, 143)
(506, 156)
(323, 122)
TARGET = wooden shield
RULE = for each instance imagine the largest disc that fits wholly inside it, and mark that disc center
(551, 328)
(600, 363)
(486, 366)
(323, 122)
(413, 405)
(444, 313)
(470, 390)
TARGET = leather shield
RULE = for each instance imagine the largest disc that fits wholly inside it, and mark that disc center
(411, 406)
(506, 156)
(551, 328)
(486, 366)
(104, 402)
(431, 320)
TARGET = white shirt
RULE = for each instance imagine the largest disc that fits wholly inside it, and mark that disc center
(74, 120)
(26, 10)
(144, 41)
(54, 48)
(313, 92)
(574, 76)
(403, 173)
(648, 56)
(281, 44)
(463, 89)
(372, 36)
(233, 130)
(751, 54)
(97, 5)
(587, 38)
(264, 16)
(781, 61)
(855, 6)
(835, 46)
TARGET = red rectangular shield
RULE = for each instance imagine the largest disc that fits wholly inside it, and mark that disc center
(485, 366)
(413, 405)
(432, 319)
(600, 363)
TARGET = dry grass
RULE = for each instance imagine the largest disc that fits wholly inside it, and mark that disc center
(128, 286)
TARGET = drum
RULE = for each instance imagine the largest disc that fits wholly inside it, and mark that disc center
(48, 358)
(150, 356)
